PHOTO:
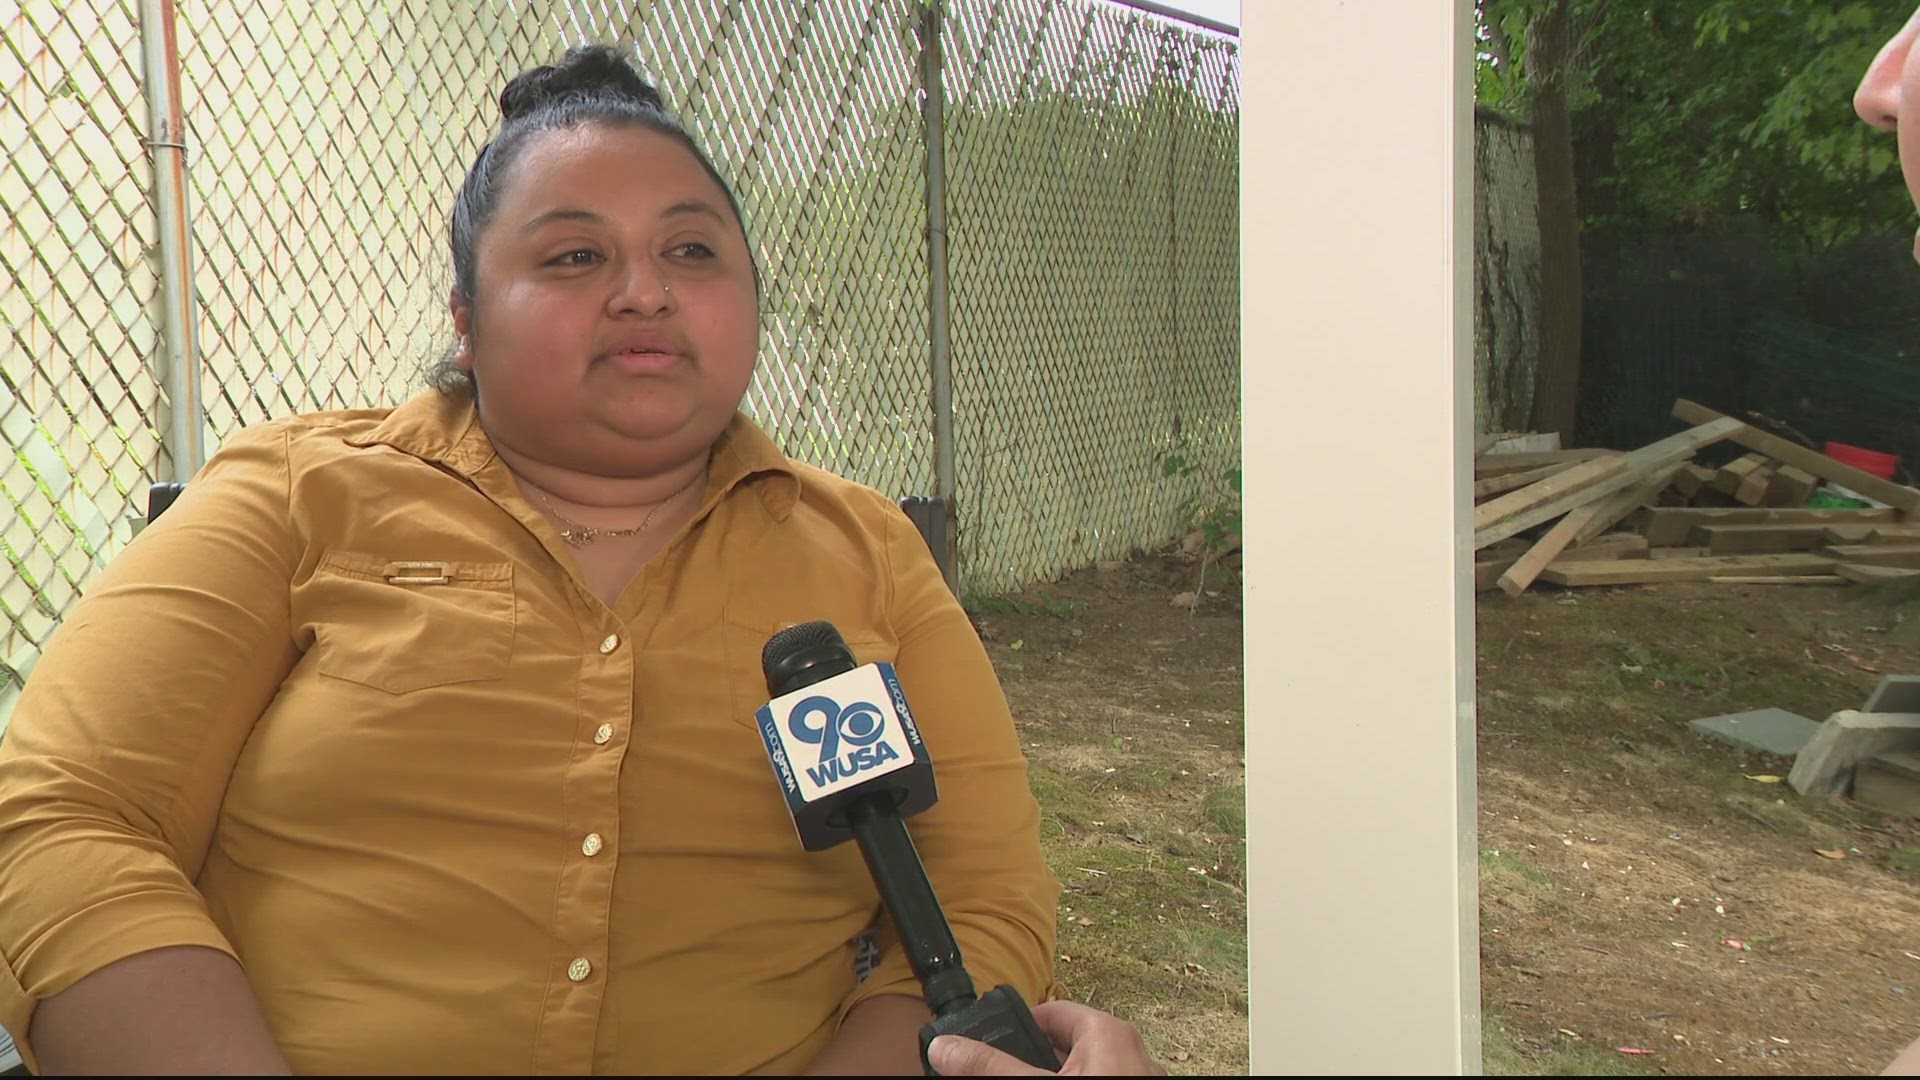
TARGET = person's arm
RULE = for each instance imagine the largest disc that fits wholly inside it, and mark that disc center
(182, 1010)
(114, 767)
(980, 843)
(879, 1037)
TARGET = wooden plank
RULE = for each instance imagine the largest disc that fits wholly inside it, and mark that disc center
(1787, 579)
(1618, 505)
(1691, 478)
(1677, 553)
(1646, 571)
(1505, 549)
(1486, 574)
(1533, 459)
(1488, 567)
(1528, 566)
(1521, 510)
(1513, 481)
(1753, 490)
(1873, 533)
(1907, 555)
(1669, 526)
(1610, 546)
(1898, 496)
(1734, 473)
(1845, 533)
(1758, 539)
(1867, 575)
(1529, 441)
(1792, 487)
(1545, 492)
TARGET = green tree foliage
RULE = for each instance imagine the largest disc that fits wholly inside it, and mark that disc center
(1696, 114)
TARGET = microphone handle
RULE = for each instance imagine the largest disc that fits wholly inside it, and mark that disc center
(1000, 1019)
(902, 881)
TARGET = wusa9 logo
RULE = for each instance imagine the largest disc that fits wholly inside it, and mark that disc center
(838, 733)
(850, 738)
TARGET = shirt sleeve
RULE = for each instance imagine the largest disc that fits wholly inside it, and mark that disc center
(980, 841)
(113, 768)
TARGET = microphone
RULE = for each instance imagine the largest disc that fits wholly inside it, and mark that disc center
(850, 760)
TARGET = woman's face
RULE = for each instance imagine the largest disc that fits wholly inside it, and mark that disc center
(615, 321)
(1894, 76)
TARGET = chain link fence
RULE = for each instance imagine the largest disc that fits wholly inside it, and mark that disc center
(1096, 279)
(79, 290)
(1092, 189)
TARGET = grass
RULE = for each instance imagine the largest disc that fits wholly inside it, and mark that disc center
(1226, 809)
(1144, 824)
(1498, 866)
(1502, 1056)
(1065, 805)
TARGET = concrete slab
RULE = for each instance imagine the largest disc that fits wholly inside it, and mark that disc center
(1849, 738)
(1769, 731)
(1896, 693)
(1886, 790)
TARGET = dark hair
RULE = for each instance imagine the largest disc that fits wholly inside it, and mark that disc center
(592, 84)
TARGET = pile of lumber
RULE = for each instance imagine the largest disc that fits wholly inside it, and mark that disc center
(1606, 517)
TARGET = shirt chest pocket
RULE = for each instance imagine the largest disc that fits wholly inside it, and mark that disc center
(747, 640)
(402, 626)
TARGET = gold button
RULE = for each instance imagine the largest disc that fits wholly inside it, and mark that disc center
(591, 845)
(609, 643)
(602, 733)
(579, 969)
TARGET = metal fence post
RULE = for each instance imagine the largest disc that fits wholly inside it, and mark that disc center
(939, 343)
(167, 142)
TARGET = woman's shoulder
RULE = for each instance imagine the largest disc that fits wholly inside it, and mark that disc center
(338, 425)
(747, 449)
(429, 425)
(823, 485)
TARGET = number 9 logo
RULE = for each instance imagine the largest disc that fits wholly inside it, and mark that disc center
(860, 724)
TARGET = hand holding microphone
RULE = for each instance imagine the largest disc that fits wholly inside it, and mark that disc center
(1095, 1043)
(851, 763)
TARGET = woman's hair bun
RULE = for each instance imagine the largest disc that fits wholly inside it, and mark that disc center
(586, 71)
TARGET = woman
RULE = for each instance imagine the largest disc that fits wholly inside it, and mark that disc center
(1881, 101)
(419, 740)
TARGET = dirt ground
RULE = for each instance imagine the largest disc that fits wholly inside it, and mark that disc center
(1131, 712)
(1621, 853)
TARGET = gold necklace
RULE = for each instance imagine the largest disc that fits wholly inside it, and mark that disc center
(578, 535)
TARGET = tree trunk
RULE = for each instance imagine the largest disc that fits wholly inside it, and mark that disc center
(1557, 378)
(1506, 251)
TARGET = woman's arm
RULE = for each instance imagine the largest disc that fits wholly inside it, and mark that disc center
(879, 1037)
(980, 843)
(182, 1010)
(114, 767)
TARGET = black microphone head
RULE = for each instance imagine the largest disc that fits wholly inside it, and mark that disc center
(846, 736)
(803, 655)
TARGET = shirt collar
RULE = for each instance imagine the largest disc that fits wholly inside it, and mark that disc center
(445, 428)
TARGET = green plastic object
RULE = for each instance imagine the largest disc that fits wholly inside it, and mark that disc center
(1824, 498)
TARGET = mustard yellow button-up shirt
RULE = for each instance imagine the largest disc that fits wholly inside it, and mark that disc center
(348, 713)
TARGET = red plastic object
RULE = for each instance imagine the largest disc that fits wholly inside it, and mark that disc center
(1869, 461)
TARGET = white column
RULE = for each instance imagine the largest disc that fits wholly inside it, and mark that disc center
(1357, 248)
